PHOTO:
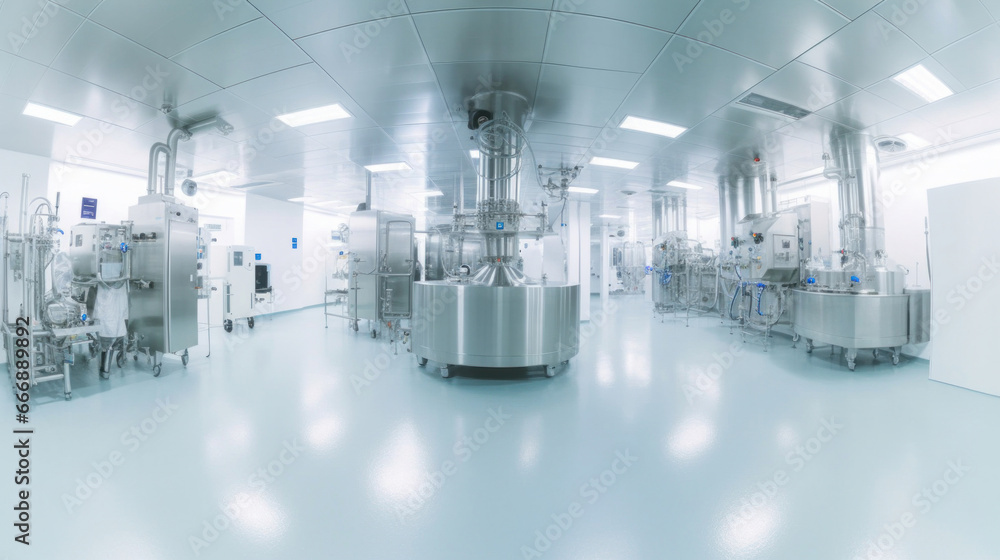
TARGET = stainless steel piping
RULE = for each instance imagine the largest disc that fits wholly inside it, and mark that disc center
(154, 165)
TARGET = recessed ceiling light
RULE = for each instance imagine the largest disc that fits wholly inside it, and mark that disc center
(610, 216)
(609, 162)
(328, 202)
(652, 127)
(681, 185)
(428, 194)
(582, 190)
(474, 154)
(383, 167)
(316, 115)
(302, 199)
(50, 114)
(922, 82)
(913, 141)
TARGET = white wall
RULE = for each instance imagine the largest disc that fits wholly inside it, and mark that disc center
(966, 293)
(12, 166)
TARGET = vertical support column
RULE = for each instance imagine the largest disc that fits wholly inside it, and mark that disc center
(578, 252)
(605, 264)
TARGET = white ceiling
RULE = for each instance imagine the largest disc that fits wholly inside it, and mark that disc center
(404, 69)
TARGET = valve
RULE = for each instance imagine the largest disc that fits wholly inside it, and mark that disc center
(124, 247)
(810, 280)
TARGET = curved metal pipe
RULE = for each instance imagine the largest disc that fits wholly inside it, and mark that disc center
(169, 176)
(154, 165)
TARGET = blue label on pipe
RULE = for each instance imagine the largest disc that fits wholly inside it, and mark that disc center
(499, 226)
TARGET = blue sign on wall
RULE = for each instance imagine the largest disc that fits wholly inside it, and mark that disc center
(295, 243)
(256, 256)
(89, 209)
(499, 225)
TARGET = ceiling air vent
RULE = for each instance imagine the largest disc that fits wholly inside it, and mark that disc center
(890, 145)
(773, 106)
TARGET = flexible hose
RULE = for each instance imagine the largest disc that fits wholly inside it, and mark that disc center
(732, 303)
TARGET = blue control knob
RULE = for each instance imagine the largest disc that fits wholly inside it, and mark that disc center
(83, 317)
(124, 247)
(810, 280)
(855, 279)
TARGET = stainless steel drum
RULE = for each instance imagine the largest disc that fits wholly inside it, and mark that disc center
(852, 321)
(488, 326)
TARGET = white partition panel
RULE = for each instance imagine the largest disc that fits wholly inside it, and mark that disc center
(965, 293)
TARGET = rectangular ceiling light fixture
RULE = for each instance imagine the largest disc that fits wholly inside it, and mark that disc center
(609, 162)
(50, 114)
(610, 217)
(302, 199)
(681, 185)
(582, 190)
(652, 127)
(385, 167)
(474, 154)
(922, 82)
(428, 194)
(316, 115)
(756, 101)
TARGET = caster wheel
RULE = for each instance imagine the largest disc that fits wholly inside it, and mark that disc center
(68, 396)
(550, 371)
(120, 360)
(421, 361)
(445, 373)
(156, 370)
(135, 358)
(809, 346)
(875, 353)
(355, 327)
(185, 358)
(374, 333)
(250, 322)
(228, 325)
(104, 374)
(851, 366)
(895, 360)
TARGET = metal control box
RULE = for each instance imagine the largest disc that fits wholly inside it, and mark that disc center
(163, 302)
(240, 287)
(770, 247)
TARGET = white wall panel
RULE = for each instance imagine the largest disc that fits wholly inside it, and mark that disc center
(965, 297)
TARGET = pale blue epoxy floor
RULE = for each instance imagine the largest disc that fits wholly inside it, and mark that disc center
(363, 456)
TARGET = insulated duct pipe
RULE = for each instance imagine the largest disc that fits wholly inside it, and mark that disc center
(170, 150)
(669, 214)
(498, 189)
(855, 166)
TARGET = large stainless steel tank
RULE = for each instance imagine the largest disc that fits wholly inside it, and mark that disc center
(497, 316)
(485, 326)
(862, 303)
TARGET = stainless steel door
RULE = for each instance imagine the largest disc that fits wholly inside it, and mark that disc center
(182, 296)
